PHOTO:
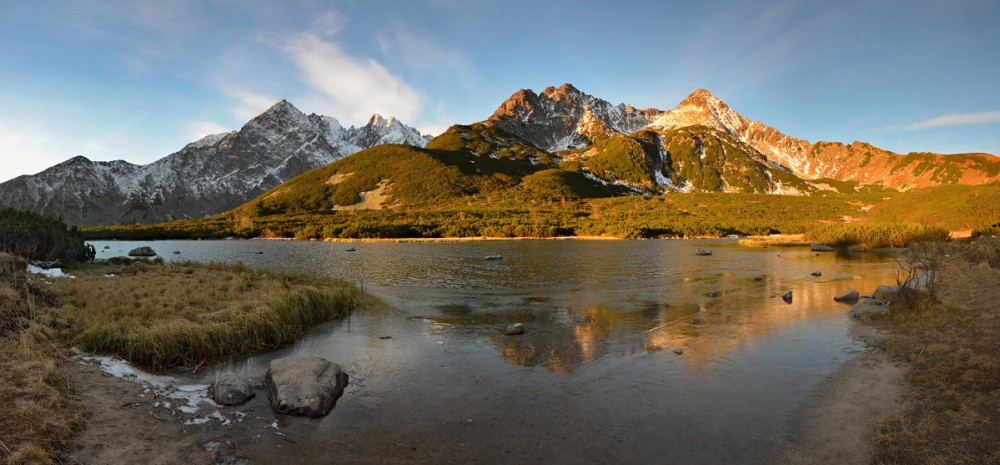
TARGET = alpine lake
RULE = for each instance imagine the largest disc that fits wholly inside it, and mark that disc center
(634, 351)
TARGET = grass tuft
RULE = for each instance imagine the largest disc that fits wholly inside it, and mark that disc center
(163, 316)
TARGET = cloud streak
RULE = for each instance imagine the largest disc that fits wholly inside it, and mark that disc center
(355, 87)
(956, 119)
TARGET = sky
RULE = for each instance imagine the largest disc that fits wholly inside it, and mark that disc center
(138, 79)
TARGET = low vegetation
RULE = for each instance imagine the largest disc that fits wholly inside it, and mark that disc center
(167, 315)
(953, 375)
(874, 235)
(38, 414)
(40, 238)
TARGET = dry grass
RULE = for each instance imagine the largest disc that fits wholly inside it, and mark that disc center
(953, 353)
(152, 314)
(162, 316)
(37, 415)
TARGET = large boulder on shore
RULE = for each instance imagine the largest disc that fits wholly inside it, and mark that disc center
(306, 386)
(229, 389)
(142, 252)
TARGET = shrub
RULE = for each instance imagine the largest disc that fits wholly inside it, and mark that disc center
(40, 238)
(875, 234)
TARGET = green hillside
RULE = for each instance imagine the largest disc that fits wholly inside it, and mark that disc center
(477, 180)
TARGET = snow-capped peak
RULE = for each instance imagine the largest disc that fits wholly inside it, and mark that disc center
(378, 120)
(703, 108)
(209, 140)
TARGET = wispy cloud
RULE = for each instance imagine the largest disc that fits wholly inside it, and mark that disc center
(956, 119)
(415, 51)
(355, 87)
(25, 148)
(199, 129)
(755, 42)
(248, 103)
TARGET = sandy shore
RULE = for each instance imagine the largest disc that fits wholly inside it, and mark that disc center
(836, 423)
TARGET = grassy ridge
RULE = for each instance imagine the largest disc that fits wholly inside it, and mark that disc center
(161, 316)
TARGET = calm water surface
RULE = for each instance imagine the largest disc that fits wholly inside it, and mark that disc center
(594, 380)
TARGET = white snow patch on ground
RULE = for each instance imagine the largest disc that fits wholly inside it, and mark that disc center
(51, 272)
(189, 399)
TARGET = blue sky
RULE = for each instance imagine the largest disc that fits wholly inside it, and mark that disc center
(137, 80)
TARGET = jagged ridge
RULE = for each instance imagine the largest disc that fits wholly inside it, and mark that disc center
(208, 176)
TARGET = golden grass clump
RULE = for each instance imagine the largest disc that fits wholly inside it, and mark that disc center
(37, 415)
(952, 349)
(173, 315)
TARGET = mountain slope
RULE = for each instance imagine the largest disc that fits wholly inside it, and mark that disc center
(856, 161)
(393, 176)
(208, 176)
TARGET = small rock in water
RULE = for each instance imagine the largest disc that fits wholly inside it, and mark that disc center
(493, 257)
(758, 278)
(385, 337)
(514, 329)
(679, 351)
(817, 273)
(177, 252)
(107, 247)
(849, 296)
(701, 251)
(229, 389)
(787, 297)
(821, 248)
(714, 294)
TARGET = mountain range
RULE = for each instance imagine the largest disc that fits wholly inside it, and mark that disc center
(208, 176)
(558, 143)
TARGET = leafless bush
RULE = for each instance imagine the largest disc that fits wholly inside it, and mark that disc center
(918, 274)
